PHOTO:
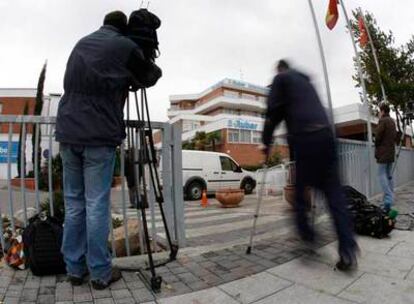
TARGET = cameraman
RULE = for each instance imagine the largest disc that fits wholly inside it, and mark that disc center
(90, 124)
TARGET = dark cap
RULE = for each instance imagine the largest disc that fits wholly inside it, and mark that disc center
(117, 19)
(283, 64)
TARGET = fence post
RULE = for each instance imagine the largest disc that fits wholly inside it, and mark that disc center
(178, 185)
(166, 178)
(9, 177)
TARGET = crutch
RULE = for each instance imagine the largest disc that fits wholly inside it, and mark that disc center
(259, 202)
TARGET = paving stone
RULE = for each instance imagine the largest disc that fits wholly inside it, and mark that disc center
(377, 289)
(267, 264)
(315, 275)
(300, 294)
(16, 287)
(129, 276)
(64, 291)
(99, 294)
(256, 287)
(121, 294)
(142, 295)
(212, 279)
(210, 254)
(82, 297)
(207, 296)
(8, 300)
(198, 285)
(46, 299)
(125, 301)
(136, 284)
(24, 302)
(207, 264)
(48, 281)
(29, 295)
(257, 268)
(187, 277)
(21, 274)
(32, 282)
(13, 293)
(177, 270)
(4, 281)
(120, 284)
(170, 278)
(47, 290)
(105, 301)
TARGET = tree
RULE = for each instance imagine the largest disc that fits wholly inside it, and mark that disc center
(203, 141)
(275, 159)
(396, 64)
(38, 111)
(213, 138)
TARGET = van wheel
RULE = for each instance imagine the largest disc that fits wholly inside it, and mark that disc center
(248, 186)
(194, 191)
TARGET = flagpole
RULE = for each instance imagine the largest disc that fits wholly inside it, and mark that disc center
(325, 68)
(364, 95)
(374, 53)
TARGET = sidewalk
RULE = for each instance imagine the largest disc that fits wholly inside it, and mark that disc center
(277, 271)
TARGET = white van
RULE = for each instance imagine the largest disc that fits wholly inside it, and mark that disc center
(212, 171)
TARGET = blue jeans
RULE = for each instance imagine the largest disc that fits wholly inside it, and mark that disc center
(87, 177)
(387, 184)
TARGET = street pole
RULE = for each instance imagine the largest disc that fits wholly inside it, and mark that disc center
(325, 68)
(364, 95)
(374, 53)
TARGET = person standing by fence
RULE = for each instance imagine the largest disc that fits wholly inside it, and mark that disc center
(89, 126)
(385, 139)
(294, 99)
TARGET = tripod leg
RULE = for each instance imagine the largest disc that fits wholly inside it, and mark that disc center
(151, 155)
(142, 202)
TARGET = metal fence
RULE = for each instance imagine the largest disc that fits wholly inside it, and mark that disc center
(276, 178)
(41, 131)
(354, 162)
(353, 168)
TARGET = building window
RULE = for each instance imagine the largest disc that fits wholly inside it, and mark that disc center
(1, 108)
(232, 94)
(245, 136)
(248, 96)
(233, 136)
(257, 137)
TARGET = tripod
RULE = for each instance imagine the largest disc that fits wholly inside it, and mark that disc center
(143, 160)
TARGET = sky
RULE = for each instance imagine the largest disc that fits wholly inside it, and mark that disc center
(201, 41)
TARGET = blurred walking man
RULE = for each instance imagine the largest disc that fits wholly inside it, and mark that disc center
(294, 99)
(89, 126)
(385, 138)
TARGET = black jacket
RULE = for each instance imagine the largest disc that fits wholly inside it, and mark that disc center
(100, 69)
(294, 99)
(385, 139)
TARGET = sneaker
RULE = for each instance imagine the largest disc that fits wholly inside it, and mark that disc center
(346, 266)
(77, 281)
(99, 285)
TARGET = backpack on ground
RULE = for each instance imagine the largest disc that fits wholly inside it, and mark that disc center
(368, 219)
(42, 240)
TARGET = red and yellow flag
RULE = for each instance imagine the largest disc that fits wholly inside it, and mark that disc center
(363, 34)
(332, 14)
